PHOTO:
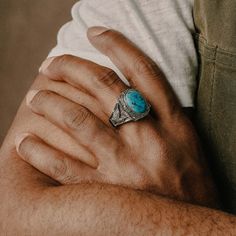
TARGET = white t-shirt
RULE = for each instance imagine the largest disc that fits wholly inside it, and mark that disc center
(163, 29)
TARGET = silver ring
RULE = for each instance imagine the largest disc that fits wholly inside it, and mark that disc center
(131, 106)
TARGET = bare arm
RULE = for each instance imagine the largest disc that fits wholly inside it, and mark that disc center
(119, 211)
(33, 204)
(36, 208)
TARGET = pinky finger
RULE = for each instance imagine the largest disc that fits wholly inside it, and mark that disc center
(52, 162)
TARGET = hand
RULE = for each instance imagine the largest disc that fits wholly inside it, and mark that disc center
(41, 207)
(160, 153)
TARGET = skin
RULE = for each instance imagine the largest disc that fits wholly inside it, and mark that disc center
(137, 154)
(42, 206)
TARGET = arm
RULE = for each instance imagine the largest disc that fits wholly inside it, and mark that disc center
(40, 208)
(120, 211)
(33, 204)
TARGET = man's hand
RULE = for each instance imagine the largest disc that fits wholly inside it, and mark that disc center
(159, 154)
(34, 204)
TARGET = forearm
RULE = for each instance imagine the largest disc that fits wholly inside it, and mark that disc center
(37, 208)
(108, 210)
(31, 208)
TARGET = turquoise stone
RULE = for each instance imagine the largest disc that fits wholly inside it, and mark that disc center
(135, 101)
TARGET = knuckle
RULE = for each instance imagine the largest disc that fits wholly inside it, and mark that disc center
(107, 78)
(108, 38)
(69, 179)
(76, 118)
(63, 171)
(59, 170)
(40, 98)
(61, 62)
(144, 65)
(64, 59)
(27, 148)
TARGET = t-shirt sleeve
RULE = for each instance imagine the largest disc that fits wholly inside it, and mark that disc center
(162, 29)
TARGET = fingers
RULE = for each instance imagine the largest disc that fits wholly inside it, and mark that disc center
(76, 120)
(80, 97)
(99, 82)
(51, 162)
(139, 69)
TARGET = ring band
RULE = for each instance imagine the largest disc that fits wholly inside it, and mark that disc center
(131, 106)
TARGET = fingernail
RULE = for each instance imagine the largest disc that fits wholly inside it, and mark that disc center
(96, 30)
(19, 139)
(46, 64)
(30, 95)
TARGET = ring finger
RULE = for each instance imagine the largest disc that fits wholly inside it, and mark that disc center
(75, 119)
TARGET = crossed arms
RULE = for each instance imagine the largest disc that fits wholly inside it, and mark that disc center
(35, 204)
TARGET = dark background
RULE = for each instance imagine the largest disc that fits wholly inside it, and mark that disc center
(28, 30)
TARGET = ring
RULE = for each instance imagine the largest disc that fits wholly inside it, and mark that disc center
(131, 106)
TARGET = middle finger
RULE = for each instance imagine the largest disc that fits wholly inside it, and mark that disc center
(99, 82)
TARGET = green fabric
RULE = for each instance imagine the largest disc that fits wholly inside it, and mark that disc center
(215, 21)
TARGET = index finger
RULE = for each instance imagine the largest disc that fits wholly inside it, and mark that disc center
(141, 71)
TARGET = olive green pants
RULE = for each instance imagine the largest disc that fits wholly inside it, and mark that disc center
(215, 21)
